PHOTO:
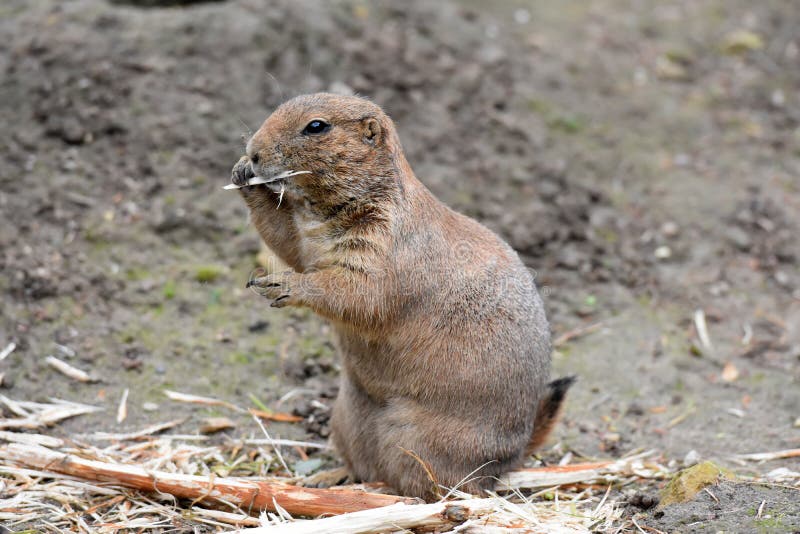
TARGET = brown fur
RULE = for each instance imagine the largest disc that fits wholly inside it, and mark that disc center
(444, 342)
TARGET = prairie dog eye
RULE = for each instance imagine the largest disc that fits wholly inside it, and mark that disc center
(317, 126)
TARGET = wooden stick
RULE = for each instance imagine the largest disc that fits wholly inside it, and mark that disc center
(544, 477)
(388, 519)
(251, 496)
(493, 515)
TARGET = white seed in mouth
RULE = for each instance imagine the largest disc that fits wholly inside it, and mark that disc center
(258, 180)
(280, 198)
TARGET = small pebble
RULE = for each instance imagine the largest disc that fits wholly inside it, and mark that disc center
(782, 278)
(670, 229)
(692, 457)
(258, 326)
(778, 99)
(643, 500)
(635, 409)
(782, 473)
(738, 238)
(640, 76)
(522, 16)
(682, 160)
(8, 383)
(663, 252)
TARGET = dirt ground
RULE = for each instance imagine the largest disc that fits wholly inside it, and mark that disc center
(642, 156)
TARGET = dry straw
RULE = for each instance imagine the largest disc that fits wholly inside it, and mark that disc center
(142, 482)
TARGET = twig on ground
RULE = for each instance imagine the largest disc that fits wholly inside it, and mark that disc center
(145, 432)
(604, 472)
(275, 446)
(238, 520)
(764, 456)
(122, 410)
(31, 439)
(438, 516)
(702, 331)
(278, 417)
(197, 399)
(33, 415)
(256, 495)
(682, 417)
(576, 333)
(287, 443)
(7, 350)
(68, 370)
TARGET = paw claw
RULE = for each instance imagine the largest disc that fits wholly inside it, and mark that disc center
(275, 286)
(261, 281)
(279, 302)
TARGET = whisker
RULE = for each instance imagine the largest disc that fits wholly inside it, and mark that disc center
(244, 137)
(277, 83)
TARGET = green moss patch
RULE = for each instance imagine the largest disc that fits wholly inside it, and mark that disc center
(689, 482)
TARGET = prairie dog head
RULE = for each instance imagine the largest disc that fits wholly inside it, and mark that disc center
(344, 146)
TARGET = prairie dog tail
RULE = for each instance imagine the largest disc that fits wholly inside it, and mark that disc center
(549, 411)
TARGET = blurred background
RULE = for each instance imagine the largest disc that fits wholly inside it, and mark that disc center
(642, 156)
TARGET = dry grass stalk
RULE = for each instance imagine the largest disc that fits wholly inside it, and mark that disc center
(216, 424)
(31, 439)
(145, 432)
(68, 370)
(764, 456)
(255, 495)
(122, 410)
(197, 399)
(7, 350)
(275, 416)
(33, 415)
(702, 331)
(287, 443)
(162, 468)
(238, 520)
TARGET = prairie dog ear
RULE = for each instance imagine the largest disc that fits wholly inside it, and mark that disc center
(371, 131)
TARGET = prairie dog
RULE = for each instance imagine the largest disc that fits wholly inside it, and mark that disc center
(443, 338)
